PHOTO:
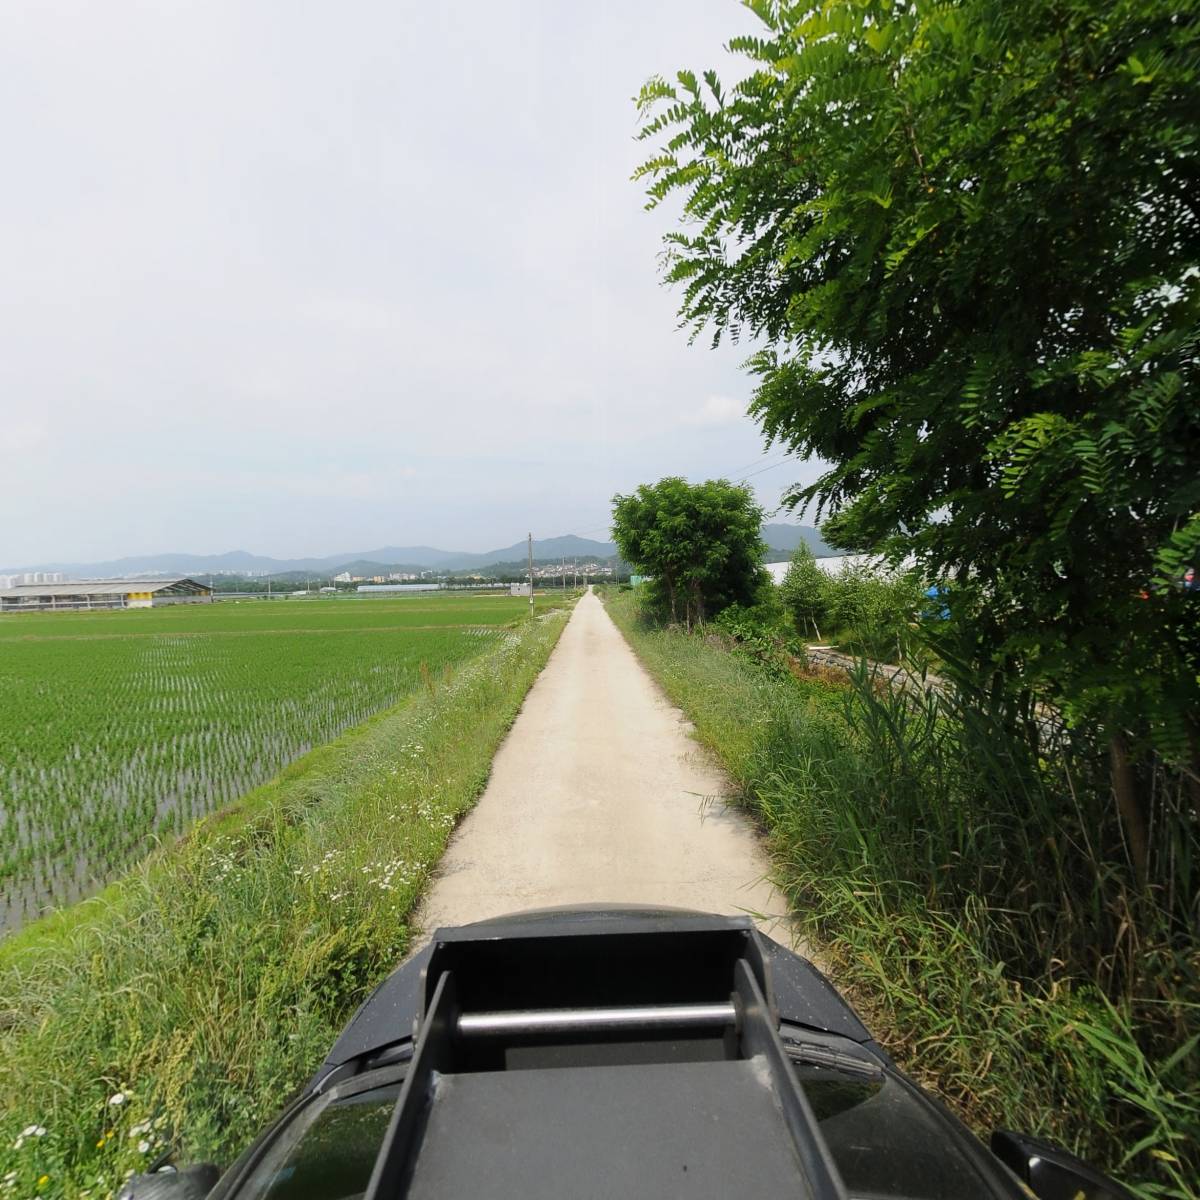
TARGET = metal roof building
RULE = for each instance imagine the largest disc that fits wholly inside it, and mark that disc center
(103, 593)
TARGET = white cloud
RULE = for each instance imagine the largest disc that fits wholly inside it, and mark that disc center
(277, 266)
(716, 410)
(23, 436)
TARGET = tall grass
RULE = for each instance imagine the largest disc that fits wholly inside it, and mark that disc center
(961, 867)
(180, 1007)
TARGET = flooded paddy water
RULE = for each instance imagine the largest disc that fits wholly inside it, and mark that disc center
(120, 729)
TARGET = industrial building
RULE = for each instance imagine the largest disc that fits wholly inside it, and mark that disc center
(103, 593)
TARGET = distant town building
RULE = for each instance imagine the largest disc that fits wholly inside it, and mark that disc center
(39, 596)
(344, 577)
(370, 588)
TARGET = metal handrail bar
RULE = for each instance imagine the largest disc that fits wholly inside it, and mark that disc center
(588, 1020)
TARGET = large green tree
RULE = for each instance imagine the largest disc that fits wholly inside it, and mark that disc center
(968, 235)
(701, 544)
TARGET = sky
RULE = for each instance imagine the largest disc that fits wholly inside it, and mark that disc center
(299, 277)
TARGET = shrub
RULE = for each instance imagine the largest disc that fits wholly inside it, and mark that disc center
(874, 610)
(758, 634)
(866, 609)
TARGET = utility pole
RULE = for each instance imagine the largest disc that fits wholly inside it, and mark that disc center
(564, 573)
(531, 572)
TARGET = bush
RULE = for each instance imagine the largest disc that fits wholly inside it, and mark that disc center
(865, 609)
(874, 611)
(759, 634)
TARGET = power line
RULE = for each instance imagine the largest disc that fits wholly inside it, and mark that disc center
(738, 470)
(770, 467)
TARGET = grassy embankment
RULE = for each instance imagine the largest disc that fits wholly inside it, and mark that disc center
(928, 861)
(181, 1006)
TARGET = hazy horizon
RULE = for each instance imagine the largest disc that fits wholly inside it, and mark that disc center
(46, 562)
(293, 277)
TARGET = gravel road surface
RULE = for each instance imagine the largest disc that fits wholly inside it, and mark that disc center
(598, 794)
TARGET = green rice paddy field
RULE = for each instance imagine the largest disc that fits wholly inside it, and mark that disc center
(120, 728)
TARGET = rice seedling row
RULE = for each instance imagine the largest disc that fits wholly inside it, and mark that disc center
(109, 743)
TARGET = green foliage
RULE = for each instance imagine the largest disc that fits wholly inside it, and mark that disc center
(875, 611)
(759, 634)
(806, 592)
(700, 543)
(969, 234)
(952, 858)
(868, 610)
(206, 986)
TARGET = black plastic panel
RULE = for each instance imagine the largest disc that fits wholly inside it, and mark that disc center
(608, 1132)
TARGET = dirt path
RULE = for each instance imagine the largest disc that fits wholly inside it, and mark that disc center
(599, 794)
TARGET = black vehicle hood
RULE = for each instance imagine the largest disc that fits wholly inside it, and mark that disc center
(801, 994)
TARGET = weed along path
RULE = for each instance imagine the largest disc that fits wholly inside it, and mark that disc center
(598, 794)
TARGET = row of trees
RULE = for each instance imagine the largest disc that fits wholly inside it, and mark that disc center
(870, 611)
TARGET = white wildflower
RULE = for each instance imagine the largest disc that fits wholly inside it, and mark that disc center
(143, 1147)
(116, 1100)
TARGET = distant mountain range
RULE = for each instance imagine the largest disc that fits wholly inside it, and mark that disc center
(781, 539)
